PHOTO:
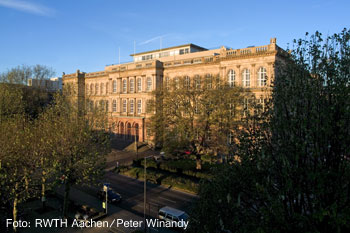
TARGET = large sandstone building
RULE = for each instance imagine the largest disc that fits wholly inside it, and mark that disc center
(125, 90)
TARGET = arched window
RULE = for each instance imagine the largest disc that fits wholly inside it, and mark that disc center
(132, 83)
(149, 84)
(121, 129)
(102, 88)
(124, 86)
(96, 89)
(139, 85)
(129, 130)
(114, 106)
(131, 106)
(187, 83)
(231, 78)
(107, 88)
(262, 77)
(137, 132)
(114, 86)
(246, 78)
(91, 89)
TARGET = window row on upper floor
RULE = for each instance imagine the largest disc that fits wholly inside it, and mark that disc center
(127, 86)
(136, 85)
(123, 106)
(232, 79)
(246, 78)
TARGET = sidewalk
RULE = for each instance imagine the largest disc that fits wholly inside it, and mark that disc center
(118, 213)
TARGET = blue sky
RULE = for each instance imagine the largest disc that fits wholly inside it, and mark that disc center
(85, 34)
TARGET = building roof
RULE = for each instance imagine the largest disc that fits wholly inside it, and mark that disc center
(173, 47)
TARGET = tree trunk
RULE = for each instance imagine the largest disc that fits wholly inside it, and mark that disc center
(198, 162)
(66, 199)
(26, 182)
(14, 211)
(43, 187)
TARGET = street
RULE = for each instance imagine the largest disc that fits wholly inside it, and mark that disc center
(132, 193)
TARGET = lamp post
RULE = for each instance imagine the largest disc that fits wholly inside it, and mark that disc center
(144, 191)
(136, 148)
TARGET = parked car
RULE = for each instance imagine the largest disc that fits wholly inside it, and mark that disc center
(113, 197)
(171, 214)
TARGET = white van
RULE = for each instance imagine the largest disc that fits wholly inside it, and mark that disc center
(171, 214)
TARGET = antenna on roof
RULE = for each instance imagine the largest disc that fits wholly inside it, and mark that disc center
(134, 48)
(160, 43)
(119, 55)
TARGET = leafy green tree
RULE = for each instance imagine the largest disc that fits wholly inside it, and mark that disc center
(11, 101)
(196, 114)
(16, 164)
(294, 166)
(14, 82)
(77, 143)
(17, 75)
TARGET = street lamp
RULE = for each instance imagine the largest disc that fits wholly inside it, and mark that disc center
(105, 188)
(144, 191)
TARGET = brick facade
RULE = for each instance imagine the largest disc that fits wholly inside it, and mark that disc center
(125, 89)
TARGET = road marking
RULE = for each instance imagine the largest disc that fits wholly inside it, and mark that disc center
(167, 199)
(112, 223)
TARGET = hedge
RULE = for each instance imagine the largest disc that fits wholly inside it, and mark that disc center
(164, 178)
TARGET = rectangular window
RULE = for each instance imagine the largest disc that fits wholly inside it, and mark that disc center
(261, 105)
(132, 85)
(184, 51)
(114, 106)
(148, 131)
(139, 86)
(124, 106)
(124, 86)
(245, 107)
(139, 106)
(114, 86)
(131, 106)
(147, 57)
(232, 109)
(196, 108)
(149, 84)
(208, 80)
(149, 106)
(198, 82)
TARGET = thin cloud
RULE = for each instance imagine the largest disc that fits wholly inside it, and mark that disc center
(150, 40)
(27, 7)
